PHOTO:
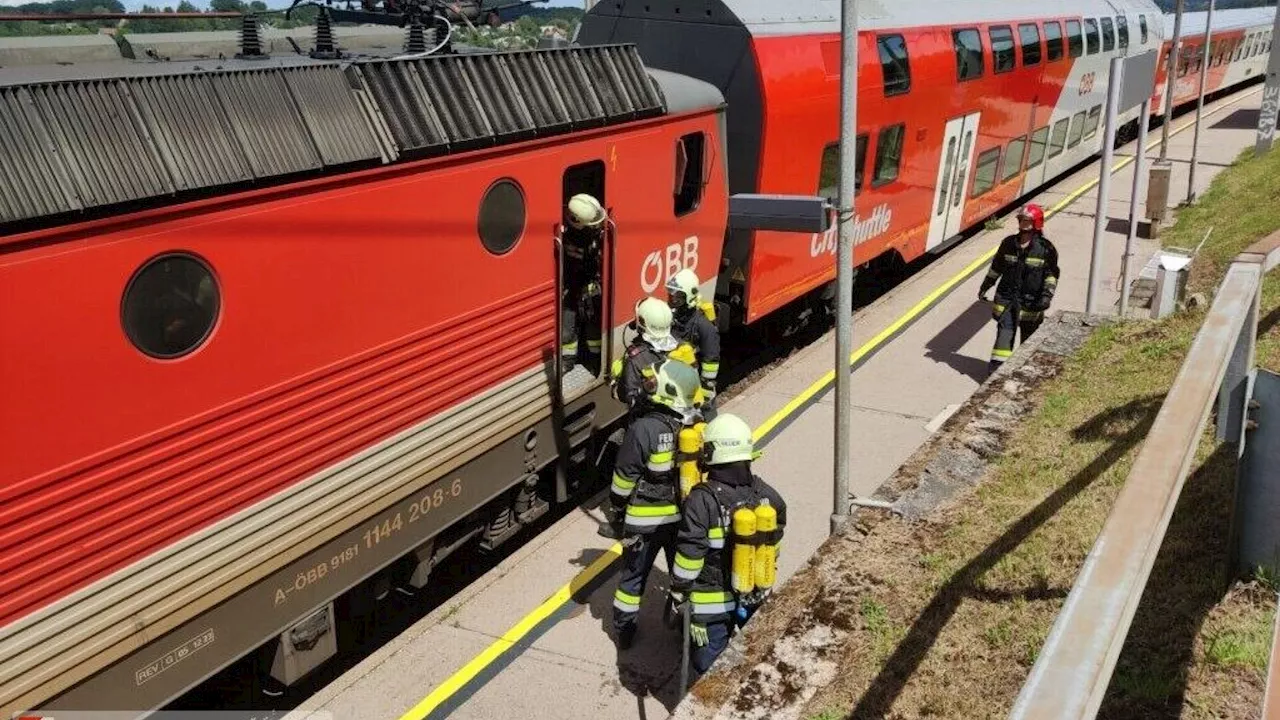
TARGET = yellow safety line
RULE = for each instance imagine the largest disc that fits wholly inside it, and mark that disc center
(473, 668)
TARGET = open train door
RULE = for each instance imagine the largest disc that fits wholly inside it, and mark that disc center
(958, 142)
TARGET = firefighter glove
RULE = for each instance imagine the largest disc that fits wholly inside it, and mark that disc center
(698, 633)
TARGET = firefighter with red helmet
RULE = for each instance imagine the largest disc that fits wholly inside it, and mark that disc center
(1026, 266)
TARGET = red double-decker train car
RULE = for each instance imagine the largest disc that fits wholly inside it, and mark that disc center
(283, 330)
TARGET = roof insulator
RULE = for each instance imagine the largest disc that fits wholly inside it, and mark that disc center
(250, 40)
(325, 48)
(417, 40)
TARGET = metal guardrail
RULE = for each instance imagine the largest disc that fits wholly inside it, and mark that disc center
(1074, 667)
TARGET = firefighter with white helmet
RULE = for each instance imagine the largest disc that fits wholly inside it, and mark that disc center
(645, 492)
(693, 325)
(728, 540)
(648, 350)
(580, 311)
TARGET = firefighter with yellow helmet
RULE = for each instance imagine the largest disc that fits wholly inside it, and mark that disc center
(645, 492)
(728, 540)
(693, 324)
(580, 311)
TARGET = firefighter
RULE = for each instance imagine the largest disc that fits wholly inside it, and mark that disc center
(693, 325)
(1026, 264)
(723, 569)
(642, 356)
(645, 493)
(580, 304)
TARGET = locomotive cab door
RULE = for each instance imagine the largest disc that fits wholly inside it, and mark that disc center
(584, 257)
(958, 142)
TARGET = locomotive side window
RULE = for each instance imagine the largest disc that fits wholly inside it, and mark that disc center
(502, 216)
(1039, 141)
(1013, 158)
(1075, 39)
(1091, 34)
(1053, 40)
(1142, 28)
(894, 64)
(829, 173)
(1077, 129)
(1059, 138)
(1029, 34)
(984, 175)
(1095, 113)
(170, 305)
(969, 63)
(1001, 48)
(1122, 31)
(888, 154)
(689, 168)
(1108, 35)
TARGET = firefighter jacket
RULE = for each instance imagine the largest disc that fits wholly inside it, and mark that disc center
(703, 563)
(1028, 276)
(645, 479)
(630, 373)
(694, 327)
(582, 256)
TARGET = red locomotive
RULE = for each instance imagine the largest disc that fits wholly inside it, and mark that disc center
(278, 328)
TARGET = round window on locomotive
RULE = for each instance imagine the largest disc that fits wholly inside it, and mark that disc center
(502, 216)
(170, 305)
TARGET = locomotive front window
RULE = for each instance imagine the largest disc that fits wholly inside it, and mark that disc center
(1075, 39)
(968, 44)
(1053, 40)
(502, 216)
(888, 154)
(895, 66)
(1029, 34)
(1002, 48)
(170, 305)
(1091, 34)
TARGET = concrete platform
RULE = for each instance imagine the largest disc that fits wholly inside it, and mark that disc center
(567, 666)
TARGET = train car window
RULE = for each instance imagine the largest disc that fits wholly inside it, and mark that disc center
(1059, 138)
(1077, 129)
(1002, 58)
(1108, 35)
(170, 305)
(948, 168)
(888, 154)
(1091, 127)
(895, 66)
(1053, 41)
(829, 173)
(1142, 29)
(1239, 48)
(1029, 34)
(1013, 158)
(969, 63)
(502, 216)
(1091, 34)
(984, 175)
(1122, 31)
(1039, 141)
(1075, 39)
(690, 164)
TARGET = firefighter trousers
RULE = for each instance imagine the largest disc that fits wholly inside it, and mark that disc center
(580, 319)
(1011, 320)
(718, 634)
(637, 560)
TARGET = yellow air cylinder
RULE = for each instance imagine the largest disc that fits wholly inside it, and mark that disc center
(744, 530)
(766, 568)
(690, 442)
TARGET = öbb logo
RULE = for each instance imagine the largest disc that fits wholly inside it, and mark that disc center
(660, 265)
(863, 230)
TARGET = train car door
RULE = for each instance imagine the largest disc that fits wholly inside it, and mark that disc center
(958, 143)
(585, 286)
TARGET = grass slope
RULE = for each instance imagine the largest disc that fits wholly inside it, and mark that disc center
(954, 612)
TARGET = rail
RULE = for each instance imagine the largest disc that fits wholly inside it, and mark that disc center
(1074, 667)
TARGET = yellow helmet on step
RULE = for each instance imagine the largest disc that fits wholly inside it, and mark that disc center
(585, 211)
(726, 439)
